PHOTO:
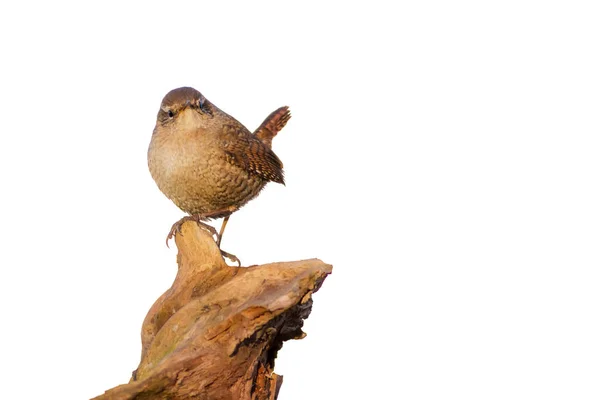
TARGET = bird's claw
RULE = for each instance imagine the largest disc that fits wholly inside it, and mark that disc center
(176, 228)
(231, 257)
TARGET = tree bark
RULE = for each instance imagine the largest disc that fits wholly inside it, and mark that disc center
(216, 332)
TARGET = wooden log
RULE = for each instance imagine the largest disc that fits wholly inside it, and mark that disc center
(216, 332)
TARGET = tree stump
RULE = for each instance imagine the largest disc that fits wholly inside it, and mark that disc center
(216, 332)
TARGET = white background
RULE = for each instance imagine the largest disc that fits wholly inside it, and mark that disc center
(443, 156)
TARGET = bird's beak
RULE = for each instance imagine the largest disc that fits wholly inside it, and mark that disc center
(188, 116)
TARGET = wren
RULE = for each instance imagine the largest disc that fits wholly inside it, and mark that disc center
(207, 162)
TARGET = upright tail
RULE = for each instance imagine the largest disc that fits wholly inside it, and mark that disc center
(272, 125)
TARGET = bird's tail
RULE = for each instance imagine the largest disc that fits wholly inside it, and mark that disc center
(273, 124)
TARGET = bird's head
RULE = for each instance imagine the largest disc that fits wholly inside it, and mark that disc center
(185, 108)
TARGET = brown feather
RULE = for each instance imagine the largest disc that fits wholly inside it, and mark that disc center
(272, 125)
(250, 153)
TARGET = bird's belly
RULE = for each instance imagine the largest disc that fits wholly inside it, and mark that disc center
(205, 184)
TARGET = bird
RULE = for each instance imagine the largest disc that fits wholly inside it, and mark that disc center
(207, 162)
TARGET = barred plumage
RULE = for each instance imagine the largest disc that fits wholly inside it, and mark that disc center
(207, 162)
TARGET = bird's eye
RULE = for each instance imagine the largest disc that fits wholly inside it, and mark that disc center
(204, 107)
(171, 113)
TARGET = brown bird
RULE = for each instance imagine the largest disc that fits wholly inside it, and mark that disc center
(207, 162)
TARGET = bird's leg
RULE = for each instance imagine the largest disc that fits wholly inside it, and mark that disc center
(223, 225)
(176, 228)
(220, 236)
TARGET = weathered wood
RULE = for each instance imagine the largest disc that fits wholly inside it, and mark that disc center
(216, 332)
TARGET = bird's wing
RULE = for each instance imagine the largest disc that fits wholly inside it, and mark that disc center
(250, 153)
(272, 125)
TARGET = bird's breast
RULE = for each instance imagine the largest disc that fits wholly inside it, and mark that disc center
(197, 177)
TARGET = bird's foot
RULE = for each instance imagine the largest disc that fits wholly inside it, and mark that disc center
(176, 228)
(231, 257)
